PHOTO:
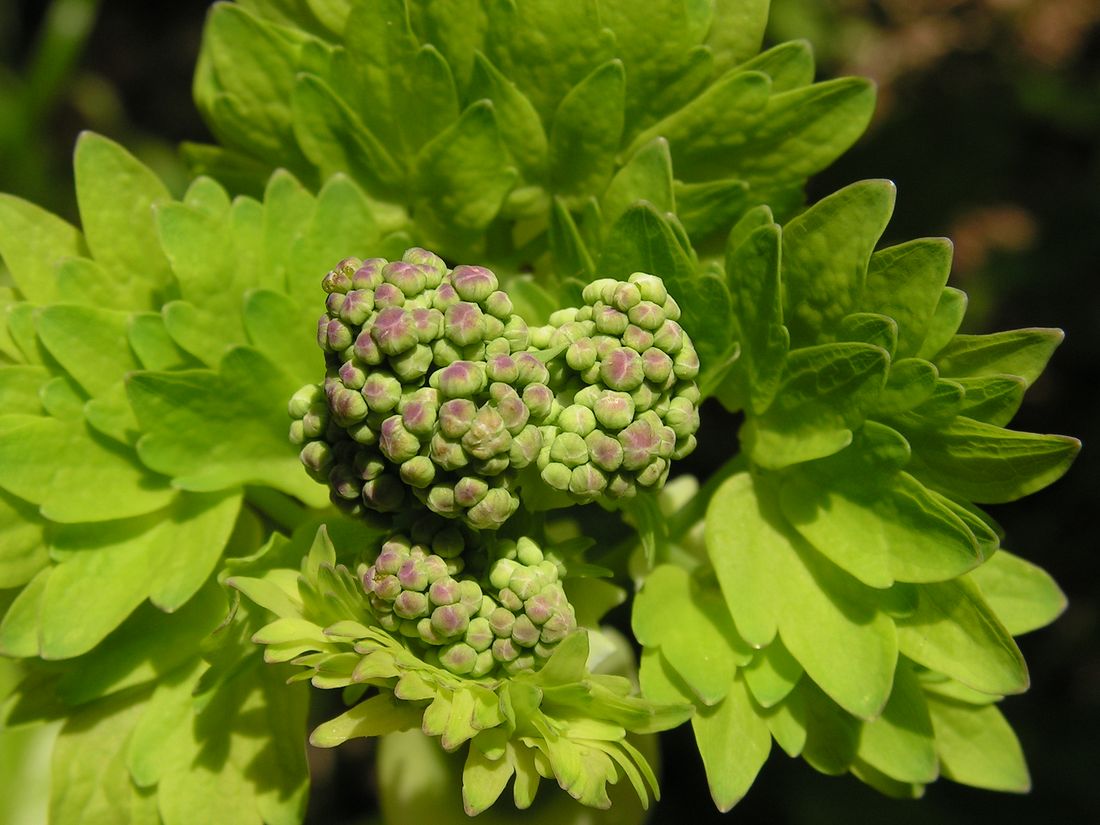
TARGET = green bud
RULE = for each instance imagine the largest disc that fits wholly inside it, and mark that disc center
(428, 324)
(501, 621)
(527, 552)
(384, 494)
(671, 308)
(343, 483)
(505, 650)
(304, 399)
(396, 443)
(539, 400)
(654, 473)
(487, 435)
(412, 364)
(499, 305)
(581, 354)
(594, 291)
(474, 283)
(445, 353)
(577, 419)
(557, 476)
(516, 333)
(339, 278)
(647, 315)
(429, 262)
(418, 471)
(670, 337)
(458, 658)
(525, 632)
(569, 449)
(637, 338)
(479, 634)
(317, 458)
(493, 510)
(645, 397)
(410, 278)
(686, 363)
(462, 379)
(448, 543)
(525, 447)
(586, 481)
(441, 499)
(469, 490)
(650, 287)
(447, 455)
(464, 324)
(609, 321)
(684, 447)
(682, 417)
(614, 410)
(626, 295)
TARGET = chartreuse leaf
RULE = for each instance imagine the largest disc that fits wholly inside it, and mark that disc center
(273, 322)
(335, 139)
(736, 30)
(704, 132)
(1023, 595)
(20, 385)
(116, 195)
(22, 549)
(207, 195)
(76, 489)
(19, 625)
(585, 133)
(659, 681)
(899, 743)
(164, 556)
(152, 344)
(825, 254)
(734, 742)
(161, 736)
(752, 268)
(772, 674)
(911, 382)
(690, 624)
(377, 716)
(977, 747)
(647, 176)
(198, 333)
(517, 119)
(993, 399)
(789, 65)
(787, 722)
(91, 344)
(462, 174)
(708, 208)
(1020, 352)
(832, 736)
(953, 631)
(214, 430)
(823, 615)
(988, 464)
(32, 242)
(944, 323)
(483, 780)
(641, 240)
(90, 782)
(904, 282)
(826, 391)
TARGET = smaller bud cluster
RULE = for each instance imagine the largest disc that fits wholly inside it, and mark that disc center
(430, 393)
(508, 622)
(628, 371)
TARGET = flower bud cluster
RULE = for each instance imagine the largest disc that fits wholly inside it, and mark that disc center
(430, 393)
(508, 622)
(627, 379)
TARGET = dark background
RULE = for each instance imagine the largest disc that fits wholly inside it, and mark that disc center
(989, 123)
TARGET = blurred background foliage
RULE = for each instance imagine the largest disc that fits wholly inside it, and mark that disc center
(988, 121)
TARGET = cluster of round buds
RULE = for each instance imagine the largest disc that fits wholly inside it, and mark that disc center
(430, 388)
(416, 589)
(627, 369)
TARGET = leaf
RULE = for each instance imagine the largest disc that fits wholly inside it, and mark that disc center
(953, 631)
(993, 400)
(790, 65)
(207, 195)
(736, 30)
(335, 139)
(162, 735)
(483, 781)
(462, 176)
(73, 474)
(753, 272)
(152, 344)
(825, 254)
(822, 615)
(32, 243)
(693, 629)
(708, 208)
(519, 124)
(988, 464)
(1020, 352)
(20, 386)
(977, 747)
(216, 430)
(832, 736)
(585, 133)
(164, 556)
(659, 681)
(734, 743)
(22, 549)
(944, 322)
(1023, 595)
(569, 250)
(91, 344)
(825, 393)
(19, 624)
(904, 282)
(787, 723)
(899, 743)
(273, 321)
(772, 674)
(377, 716)
(647, 176)
(911, 382)
(116, 195)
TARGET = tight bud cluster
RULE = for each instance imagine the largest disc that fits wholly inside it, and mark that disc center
(508, 622)
(430, 391)
(628, 373)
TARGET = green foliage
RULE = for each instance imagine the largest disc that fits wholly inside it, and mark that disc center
(834, 587)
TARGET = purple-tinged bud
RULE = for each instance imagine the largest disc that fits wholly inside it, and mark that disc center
(339, 279)
(587, 482)
(577, 419)
(670, 337)
(448, 543)
(357, 307)
(435, 568)
(474, 283)
(450, 620)
(609, 321)
(387, 296)
(626, 295)
(369, 275)
(524, 632)
(412, 577)
(538, 609)
(447, 455)
(479, 634)
(464, 324)
(539, 400)
(384, 494)
(510, 600)
(525, 447)
(622, 370)
(456, 416)
(445, 591)
(581, 354)
(502, 368)
(557, 627)
(334, 303)
(419, 417)
(657, 365)
(389, 562)
(640, 443)
(459, 658)
(487, 436)
(637, 338)
(501, 621)
(337, 336)
(557, 476)
(393, 330)
(317, 458)
(396, 443)
(348, 406)
(505, 650)
(647, 315)
(493, 510)
(429, 261)
(352, 375)
(387, 588)
(410, 605)
(512, 410)
(418, 471)
(499, 305)
(469, 490)
(366, 350)
(445, 296)
(428, 324)
(531, 370)
(409, 278)
(462, 379)
(605, 451)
